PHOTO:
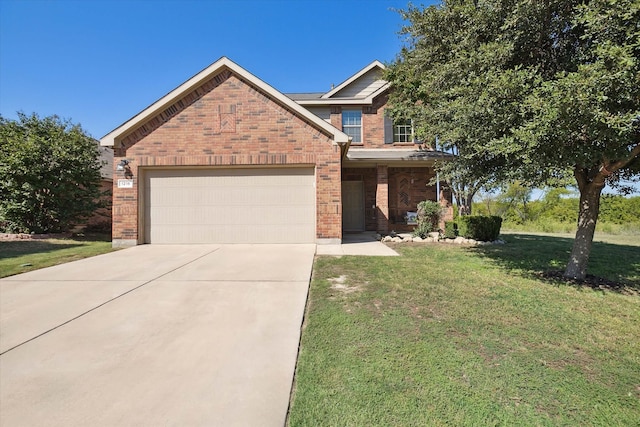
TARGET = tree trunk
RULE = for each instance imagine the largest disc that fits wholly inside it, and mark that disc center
(587, 218)
(463, 194)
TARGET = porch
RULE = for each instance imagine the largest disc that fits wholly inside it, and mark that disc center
(377, 198)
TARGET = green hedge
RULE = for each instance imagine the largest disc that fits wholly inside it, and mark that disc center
(483, 228)
(450, 229)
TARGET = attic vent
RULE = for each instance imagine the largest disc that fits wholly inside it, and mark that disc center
(171, 111)
(222, 77)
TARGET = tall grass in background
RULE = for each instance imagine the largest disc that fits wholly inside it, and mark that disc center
(551, 226)
(557, 213)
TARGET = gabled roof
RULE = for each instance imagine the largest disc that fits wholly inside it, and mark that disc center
(336, 95)
(305, 96)
(224, 63)
(375, 64)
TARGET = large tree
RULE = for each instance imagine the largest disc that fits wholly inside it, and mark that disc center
(529, 90)
(49, 174)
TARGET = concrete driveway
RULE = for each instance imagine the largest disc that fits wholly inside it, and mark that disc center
(182, 335)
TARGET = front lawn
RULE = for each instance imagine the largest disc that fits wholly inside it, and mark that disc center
(448, 335)
(20, 256)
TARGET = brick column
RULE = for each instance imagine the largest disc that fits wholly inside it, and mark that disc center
(382, 198)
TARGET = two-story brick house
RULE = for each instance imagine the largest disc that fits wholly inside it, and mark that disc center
(386, 171)
(226, 158)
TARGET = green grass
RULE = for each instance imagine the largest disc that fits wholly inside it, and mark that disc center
(448, 335)
(20, 256)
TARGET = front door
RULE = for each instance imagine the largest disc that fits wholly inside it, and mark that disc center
(352, 205)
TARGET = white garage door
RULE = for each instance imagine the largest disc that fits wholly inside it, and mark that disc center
(230, 205)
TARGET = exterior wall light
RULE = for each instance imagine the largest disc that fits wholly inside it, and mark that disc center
(123, 166)
(124, 163)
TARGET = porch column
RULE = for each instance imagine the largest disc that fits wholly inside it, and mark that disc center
(382, 198)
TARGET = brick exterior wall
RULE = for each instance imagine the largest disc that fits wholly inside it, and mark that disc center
(382, 198)
(411, 181)
(373, 124)
(228, 122)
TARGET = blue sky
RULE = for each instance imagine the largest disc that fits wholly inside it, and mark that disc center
(99, 63)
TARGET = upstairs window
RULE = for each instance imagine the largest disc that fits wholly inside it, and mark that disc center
(352, 124)
(403, 131)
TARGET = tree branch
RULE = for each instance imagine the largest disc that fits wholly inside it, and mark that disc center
(615, 166)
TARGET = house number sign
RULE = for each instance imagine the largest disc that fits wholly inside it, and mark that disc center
(125, 183)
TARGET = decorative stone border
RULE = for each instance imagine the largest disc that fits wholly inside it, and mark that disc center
(25, 236)
(434, 238)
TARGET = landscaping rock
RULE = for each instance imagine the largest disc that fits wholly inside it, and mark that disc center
(33, 236)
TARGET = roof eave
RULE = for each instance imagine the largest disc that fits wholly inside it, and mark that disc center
(111, 138)
(353, 78)
(345, 101)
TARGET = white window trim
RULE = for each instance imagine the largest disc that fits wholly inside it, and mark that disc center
(359, 127)
(397, 134)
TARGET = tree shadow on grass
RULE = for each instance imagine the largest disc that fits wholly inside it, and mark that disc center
(17, 248)
(611, 266)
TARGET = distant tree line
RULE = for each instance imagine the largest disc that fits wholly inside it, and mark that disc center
(558, 205)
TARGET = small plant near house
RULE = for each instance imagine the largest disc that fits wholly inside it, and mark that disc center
(429, 214)
(450, 229)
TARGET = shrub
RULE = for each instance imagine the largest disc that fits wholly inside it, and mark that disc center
(49, 174)
(450, 229)
(429, 214)
(484, 228)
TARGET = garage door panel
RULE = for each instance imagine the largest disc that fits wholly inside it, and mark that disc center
(230, 205)
(274, 215)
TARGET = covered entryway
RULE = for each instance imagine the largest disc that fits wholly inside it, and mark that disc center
(229, 205)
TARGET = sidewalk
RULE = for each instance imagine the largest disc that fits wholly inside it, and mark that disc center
(357, 244)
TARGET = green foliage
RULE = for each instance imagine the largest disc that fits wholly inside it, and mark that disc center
(429, 214)
(616, 209)
(450, 229)
(540, 92)
(524, 90)
(483, 228)
(49, 174)
(557, 212)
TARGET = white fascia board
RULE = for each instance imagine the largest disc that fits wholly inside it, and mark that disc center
(353, 78)
(378, 92)
(109, 140)
(346, 101)
(336, 101)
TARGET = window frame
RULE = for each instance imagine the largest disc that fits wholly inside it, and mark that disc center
(350, 128)
(398, 135)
